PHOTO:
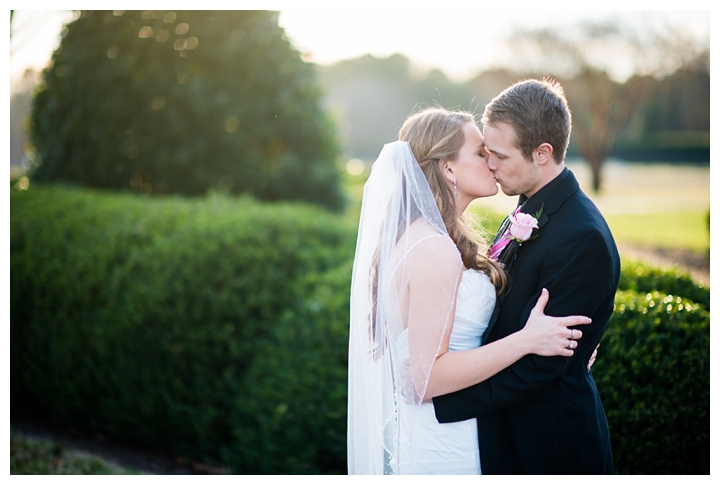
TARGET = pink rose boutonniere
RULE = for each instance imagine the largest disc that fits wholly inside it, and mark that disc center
(522, 226)
(520, 229)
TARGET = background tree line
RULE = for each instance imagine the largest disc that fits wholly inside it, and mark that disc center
(644, 119)
(141, 82)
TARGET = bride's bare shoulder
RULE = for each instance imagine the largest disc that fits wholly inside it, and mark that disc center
(430, 244)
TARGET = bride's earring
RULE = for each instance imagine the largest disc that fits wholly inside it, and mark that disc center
(454, 188)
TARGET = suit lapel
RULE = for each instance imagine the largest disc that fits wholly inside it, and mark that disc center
(503, 227)
(549, 198)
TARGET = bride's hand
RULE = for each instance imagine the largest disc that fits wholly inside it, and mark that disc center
(549, 336)
(593, 357)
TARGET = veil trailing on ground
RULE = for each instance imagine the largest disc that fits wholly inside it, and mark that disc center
(404, 284)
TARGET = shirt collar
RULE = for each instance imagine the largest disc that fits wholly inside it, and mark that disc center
(535, 202)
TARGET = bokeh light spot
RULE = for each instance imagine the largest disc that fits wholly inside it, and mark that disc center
(23, 183)
(355, 166)
(232, 124)
(158, 103)
(192, 43)
(133, 152)
(162, 36)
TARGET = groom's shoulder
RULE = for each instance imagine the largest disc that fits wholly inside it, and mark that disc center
(579, 204)
(580, 217)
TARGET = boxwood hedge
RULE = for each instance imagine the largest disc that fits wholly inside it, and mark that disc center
(643, 278)
(217, 329)
(164, 321)
(653, 375)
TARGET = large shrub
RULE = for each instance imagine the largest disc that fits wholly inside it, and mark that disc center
(181, 102)
(183, 325)
(296, 421)
(217, 328)
(643, 278)
(653, 375)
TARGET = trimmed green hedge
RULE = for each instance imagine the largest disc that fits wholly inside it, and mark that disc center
(643, 278)
(160, 321)
(217, 329)
(296, 421)
(653, 375)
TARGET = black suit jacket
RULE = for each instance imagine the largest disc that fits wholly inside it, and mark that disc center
(543, 415)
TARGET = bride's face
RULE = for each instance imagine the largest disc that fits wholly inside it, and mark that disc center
(470, 170)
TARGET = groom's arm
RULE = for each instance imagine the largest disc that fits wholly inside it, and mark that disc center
(580, 279)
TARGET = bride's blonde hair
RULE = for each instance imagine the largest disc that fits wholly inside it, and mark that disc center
(436, 134)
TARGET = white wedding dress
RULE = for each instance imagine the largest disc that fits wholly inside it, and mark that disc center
(407, 273)
(426, 446)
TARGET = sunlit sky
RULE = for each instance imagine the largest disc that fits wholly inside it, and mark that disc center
(459, 41)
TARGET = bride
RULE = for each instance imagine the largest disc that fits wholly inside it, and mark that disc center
(423, 292)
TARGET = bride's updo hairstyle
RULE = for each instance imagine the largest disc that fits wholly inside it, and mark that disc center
(436, 134)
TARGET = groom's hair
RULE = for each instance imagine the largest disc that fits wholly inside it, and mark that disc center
(539, 113)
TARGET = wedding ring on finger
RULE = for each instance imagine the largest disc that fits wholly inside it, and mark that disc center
(572, 333)
(570, 344)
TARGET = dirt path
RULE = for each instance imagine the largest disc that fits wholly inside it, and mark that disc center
(696, 264)
(124, 455)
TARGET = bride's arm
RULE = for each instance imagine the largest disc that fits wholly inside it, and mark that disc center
(433, 274)
(432, 283)
(542, 335)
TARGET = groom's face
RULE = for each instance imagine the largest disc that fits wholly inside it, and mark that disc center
(515, 173)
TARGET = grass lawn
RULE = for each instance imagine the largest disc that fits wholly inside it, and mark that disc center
(688, 230)
(657, 206)
(30, 456)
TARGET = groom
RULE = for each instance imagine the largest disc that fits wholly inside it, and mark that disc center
(543, 415)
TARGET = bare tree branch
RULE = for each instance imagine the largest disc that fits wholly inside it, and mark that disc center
(607, 70)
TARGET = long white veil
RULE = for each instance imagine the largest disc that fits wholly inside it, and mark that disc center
(404, 285)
